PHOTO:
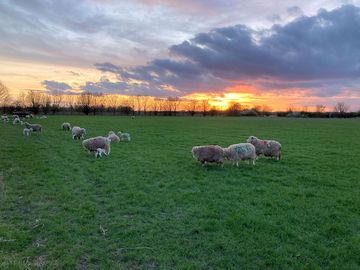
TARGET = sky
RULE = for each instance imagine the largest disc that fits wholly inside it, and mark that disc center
(276, 53)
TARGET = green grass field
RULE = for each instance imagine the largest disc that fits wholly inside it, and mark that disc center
(149, 205)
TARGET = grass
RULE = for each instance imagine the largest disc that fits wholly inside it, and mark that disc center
(149, 205)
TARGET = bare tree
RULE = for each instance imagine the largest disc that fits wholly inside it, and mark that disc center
(192, 106)
(341, 107)
(34, 98)
(205, 106)
(319, 108)
(234, 109)
(56, 99)
(4, 95)
(84, 101)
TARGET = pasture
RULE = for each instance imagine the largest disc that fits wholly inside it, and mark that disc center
(150, 205)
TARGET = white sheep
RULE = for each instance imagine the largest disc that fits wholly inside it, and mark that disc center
(34, 127)
(93, 144)
(124, 136)
(78, 133)
(66, 126)
(240, 151)
(113, 137)
(5, 118)
(16, 121)
(27, 131)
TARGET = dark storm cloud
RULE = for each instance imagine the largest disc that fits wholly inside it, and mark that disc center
(310, 52)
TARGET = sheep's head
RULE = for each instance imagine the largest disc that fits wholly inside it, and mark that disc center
(251, 139)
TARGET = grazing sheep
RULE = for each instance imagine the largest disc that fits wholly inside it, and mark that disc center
(15, 116)
(113, 137)
(16, 121)
(124, 136)
(240, 151)
(99, 152)
(43, 117)
(66, 126)
(78, 133)
(208, 153)
(34, 127)
(5, 118)
(268, 148)
(93, 144)
(27, 131)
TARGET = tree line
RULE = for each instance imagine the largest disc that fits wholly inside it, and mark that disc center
(87, 103)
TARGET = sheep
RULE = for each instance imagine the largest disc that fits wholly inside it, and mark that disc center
(34, 127)
(78, 133)
(268, 148)
(15, 116)
(113, 137)
(208, 153)
(124, 136)
(240, 151)
(66, 126)
(27, 131)
(99, 152)
(43, 117)
(16, 121)
(5, 118)
(93, 144)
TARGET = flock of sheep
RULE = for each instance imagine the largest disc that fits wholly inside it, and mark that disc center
(100, 145)
(250, 151)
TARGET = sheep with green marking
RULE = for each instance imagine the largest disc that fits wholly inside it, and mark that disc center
(124, 136)
(240, 151)
(267, 148)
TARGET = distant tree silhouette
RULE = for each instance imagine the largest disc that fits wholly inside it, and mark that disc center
(341, 108)
(4, 95)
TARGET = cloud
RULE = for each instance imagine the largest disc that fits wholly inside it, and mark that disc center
(310, 51)
(55, 87)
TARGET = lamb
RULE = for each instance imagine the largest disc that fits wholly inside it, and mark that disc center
(99, 152)
(16, 121)
(268, 148)
(27, 131)
(113, 137)
(240, 151)
(124, 136)
(34, 127)
(208, 153)
(66, 126)
(78, 133)
(93, 144)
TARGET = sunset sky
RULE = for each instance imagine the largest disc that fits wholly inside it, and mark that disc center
(275, 53)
